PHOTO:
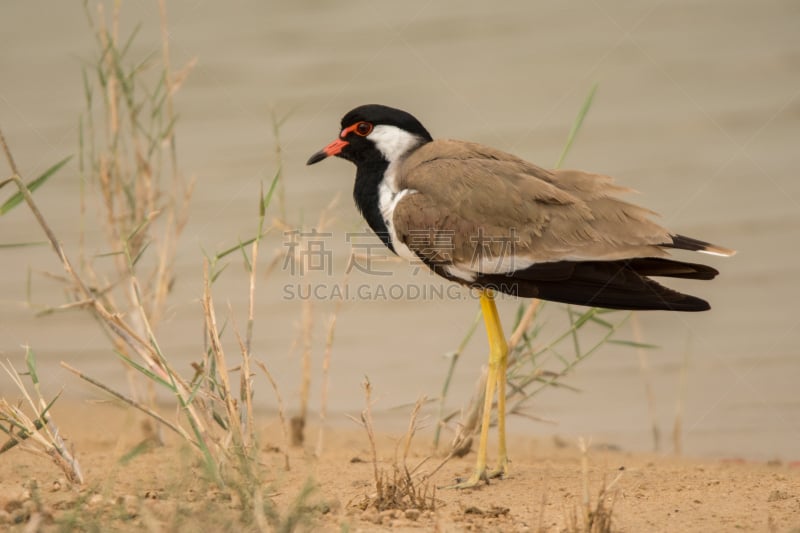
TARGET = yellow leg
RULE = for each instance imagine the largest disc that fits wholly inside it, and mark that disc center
(498, 358)
(502, 463)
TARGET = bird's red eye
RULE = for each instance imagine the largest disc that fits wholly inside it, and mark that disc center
(360, 128)
(363, 128)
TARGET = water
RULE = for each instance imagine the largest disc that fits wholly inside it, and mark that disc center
(698, 108)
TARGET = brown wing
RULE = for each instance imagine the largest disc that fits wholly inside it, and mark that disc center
(472, 201)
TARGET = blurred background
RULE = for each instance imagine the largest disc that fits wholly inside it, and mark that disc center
(698, 107)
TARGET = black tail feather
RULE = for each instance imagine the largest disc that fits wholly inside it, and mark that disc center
(682, 242)
(609, 284)
(658, 266)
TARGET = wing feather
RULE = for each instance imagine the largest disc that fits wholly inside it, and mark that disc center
(473, 202)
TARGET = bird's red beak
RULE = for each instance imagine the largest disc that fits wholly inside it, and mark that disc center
(332, 149)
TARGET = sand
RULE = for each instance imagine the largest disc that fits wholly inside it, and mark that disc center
(698, 107)
(163, 488)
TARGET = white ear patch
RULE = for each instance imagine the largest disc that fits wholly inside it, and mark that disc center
(393, 142)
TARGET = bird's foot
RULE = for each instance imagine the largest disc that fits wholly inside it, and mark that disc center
(501, 471)
(482, 476)
(478, 478)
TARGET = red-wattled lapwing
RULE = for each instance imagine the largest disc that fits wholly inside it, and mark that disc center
(494, 222)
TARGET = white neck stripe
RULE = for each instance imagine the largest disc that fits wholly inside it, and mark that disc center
(393, 142)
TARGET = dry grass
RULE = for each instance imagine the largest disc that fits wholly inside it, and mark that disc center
(326, 364)
(597, 517)
(37, 434)
(132, 184)
(302, 241)
(128, 160)
(400, 488)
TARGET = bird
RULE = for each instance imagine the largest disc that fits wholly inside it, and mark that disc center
(496, 223)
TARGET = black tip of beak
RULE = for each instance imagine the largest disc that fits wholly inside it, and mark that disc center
(316, 158)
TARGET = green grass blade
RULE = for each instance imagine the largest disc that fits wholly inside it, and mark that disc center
(236, 248)
(87, 89)
(146, 371)
(576, 126)
(141, 448)
(601, 322)
(30, 362)
(23, 244)
(634, 344)
(454, 357)
(262, 209)
(268, 197)
(576, 343)
(140, 254)
(144, 223)
(193, 391)
(583, 319)
(247, 264)
(219, 272)
(127, 45)
(17, 197)
(167, 131)
(46, 409)
(108, 254)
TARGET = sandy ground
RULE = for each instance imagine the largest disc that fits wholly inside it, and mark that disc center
(163, 489)
(698, 107)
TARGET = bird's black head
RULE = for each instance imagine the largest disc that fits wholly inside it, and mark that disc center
(374, 131)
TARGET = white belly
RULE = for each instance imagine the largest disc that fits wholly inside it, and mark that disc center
(488, 265)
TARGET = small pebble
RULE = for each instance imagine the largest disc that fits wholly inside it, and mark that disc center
(371, 515)
(20, 516)
(389, 514)
(412, 514)
(13, 505)
(778, 495)
(329, 506)
(130, 503)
